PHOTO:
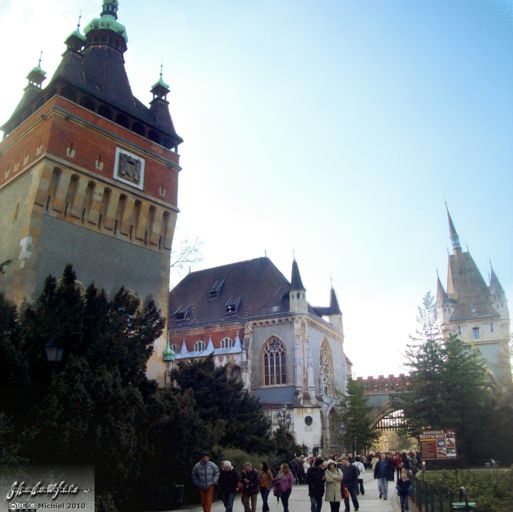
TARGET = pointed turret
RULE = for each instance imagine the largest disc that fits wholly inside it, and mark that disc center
(441, 295)
(76, 40)
(496, 289)
(453, 233)
(159, 106)
(334, 307)
(33, 90)
(297, 295)
(295, 282)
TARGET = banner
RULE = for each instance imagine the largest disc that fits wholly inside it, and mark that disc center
(438, 444)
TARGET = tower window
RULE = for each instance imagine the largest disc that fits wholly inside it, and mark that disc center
(459, 330)
(475, 333)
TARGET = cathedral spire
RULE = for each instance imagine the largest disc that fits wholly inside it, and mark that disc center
(334, 307)
(453, 233)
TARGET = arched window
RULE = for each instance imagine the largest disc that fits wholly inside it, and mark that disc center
(199, 346)
(236, 373)
(226, 343)
(326, 370)
(175, 348)
(274, 362)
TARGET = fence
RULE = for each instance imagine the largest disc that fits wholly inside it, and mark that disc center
(432, 498)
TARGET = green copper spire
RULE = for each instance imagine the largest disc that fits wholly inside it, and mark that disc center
(110, 8)
(37, 76)
(108, 20)
(168, 354)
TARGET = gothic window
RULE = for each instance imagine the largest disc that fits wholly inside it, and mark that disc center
(226, 343)
(199, 346)
(175, 348)
(274, 362)
(326, 370)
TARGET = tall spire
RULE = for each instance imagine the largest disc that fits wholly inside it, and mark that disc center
(453, 233)
(441, 296)
(295, 281)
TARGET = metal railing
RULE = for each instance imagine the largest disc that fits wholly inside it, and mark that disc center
(432, 498)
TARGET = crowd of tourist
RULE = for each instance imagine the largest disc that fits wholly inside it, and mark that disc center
(335, 479)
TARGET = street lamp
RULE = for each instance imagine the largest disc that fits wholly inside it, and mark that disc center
(284, 417)
(54, 352)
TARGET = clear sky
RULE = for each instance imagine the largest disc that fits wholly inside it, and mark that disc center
(332, 128)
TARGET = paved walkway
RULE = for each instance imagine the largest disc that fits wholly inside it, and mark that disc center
(300, 502)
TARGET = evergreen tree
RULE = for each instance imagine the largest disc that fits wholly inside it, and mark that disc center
(359, 432)
(449, 388)
(234, 415)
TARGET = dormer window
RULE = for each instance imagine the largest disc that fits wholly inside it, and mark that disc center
(199, 346)
(226, 343)
(215, 289)
(183, 313)
(232, 305)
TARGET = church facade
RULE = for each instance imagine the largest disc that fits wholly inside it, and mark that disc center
(289, 354)
(89, 176)
(476, 311)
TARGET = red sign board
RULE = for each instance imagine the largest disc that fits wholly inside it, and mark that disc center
(438, 444)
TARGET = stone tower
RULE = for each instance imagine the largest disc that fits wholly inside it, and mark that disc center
(477, 312)
(89, 176)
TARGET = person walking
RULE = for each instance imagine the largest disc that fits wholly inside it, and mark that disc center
(205, 475)
(360, 466)
(315, 482)
(265, 482)
(250, 487)
(404, 488)
(333, 477)
(350, 480)
(228, 481)
(283, 485)
(383, 472)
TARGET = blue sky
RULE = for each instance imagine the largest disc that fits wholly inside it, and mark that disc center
(332, 128)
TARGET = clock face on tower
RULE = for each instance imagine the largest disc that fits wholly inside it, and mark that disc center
(129, 168)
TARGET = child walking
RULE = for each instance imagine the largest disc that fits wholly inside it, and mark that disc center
(404, 488)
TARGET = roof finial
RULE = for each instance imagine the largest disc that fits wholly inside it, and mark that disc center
(331, 280)
(452, 232)
(40, 59)
(161, 69)
(79, 20)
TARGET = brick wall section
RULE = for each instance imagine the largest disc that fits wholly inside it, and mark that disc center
(204, 333)
(59, 123)
(384, 385)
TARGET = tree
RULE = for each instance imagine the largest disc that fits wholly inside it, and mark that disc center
(3, 265)
(449, 388)
(235, 417)
(187, 253)
(359, 432)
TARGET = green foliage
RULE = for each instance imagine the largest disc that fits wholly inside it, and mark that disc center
(285, 446)
(359, 430)
(491, 489)
(235, 418)
(449, 388)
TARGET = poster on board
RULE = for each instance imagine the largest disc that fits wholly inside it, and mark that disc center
(438, 444)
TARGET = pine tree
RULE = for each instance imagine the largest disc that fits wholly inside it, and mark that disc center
(448, 388)
(359, 432)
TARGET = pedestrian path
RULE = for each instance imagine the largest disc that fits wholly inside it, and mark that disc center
(300, 502)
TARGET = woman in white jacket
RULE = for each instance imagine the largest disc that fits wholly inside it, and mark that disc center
(333, 477)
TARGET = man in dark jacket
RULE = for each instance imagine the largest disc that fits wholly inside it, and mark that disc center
(249, 479)
(228, 481)
(384, 473)
(315, 481)
(350, 481)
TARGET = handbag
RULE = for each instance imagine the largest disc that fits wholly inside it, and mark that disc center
(344, 491)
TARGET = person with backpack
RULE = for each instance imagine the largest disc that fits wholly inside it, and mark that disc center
(361, 471)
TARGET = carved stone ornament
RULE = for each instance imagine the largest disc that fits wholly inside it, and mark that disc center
(129, 168)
